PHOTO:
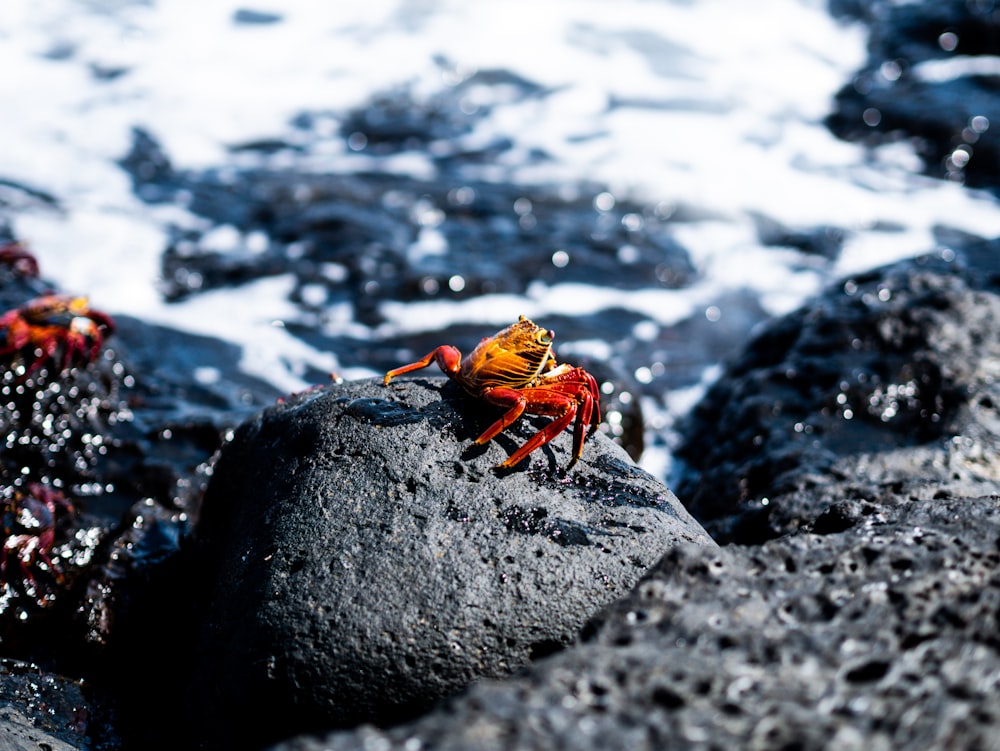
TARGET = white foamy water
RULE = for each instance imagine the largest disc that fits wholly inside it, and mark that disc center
(716, 104)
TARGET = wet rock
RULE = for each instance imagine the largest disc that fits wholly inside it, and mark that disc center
(882, 636)
(825, 241)
(252, 17)
(85, 451)
(41, 710)
(397, 121)
(371, 238)
(102, 468)
(921, 83)
(57, 418)
(886, 384)
(369, 560)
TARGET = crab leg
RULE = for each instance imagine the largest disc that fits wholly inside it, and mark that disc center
(535, 401)
(447, 357)
(503, 397)
(581, 385)
(584, 385)
(582, 420)
(586, 403)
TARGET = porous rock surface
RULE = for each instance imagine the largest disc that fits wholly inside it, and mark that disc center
(369, 560)
(42, 711)
(872, 623)
(883, 636)
(887, 385)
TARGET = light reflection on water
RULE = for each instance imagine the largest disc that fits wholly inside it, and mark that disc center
(707, 114)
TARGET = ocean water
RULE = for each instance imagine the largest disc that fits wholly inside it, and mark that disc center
(709, 111)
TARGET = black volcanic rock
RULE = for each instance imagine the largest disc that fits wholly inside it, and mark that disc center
(872, 623)
(369, 560)
(42, 710)
(885, 385)
(882, 636)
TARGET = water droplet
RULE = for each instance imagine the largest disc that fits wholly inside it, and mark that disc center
(628, 254)
(522, 206)
(871, 117)
(604, 201)
(890, 70)
(979, 123)
(462, 196)
(427, 215)
(357, 141)
(633, 222)
(960, 157)
(948, 41)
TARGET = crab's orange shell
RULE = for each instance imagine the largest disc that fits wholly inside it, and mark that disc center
(516, 369)
(513, 357)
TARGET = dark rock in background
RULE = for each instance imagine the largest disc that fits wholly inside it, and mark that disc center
(886, 382)
(368, 243)
(952, 118)
(368, 238)
(369, 560)
(823, 241)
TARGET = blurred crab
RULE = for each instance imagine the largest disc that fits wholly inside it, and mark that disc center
(43, 325)
(29, 519)
(516, 369)
(15, 256)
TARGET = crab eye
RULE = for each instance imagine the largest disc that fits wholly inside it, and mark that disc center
(544, 337)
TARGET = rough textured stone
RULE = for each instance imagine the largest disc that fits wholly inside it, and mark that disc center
(873, 624)
(371, 561)
(43, 711)
(889, 383)
(883, 636)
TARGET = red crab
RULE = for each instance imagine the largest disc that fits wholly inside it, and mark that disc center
(516, 369)
(29, 528)
(18, 258)
(43, 325)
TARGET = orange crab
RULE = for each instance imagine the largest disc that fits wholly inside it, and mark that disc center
(516, 369)
(43, 325)
(29, 520)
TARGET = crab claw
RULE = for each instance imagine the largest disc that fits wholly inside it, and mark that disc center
(30, 518)
(41, 326)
